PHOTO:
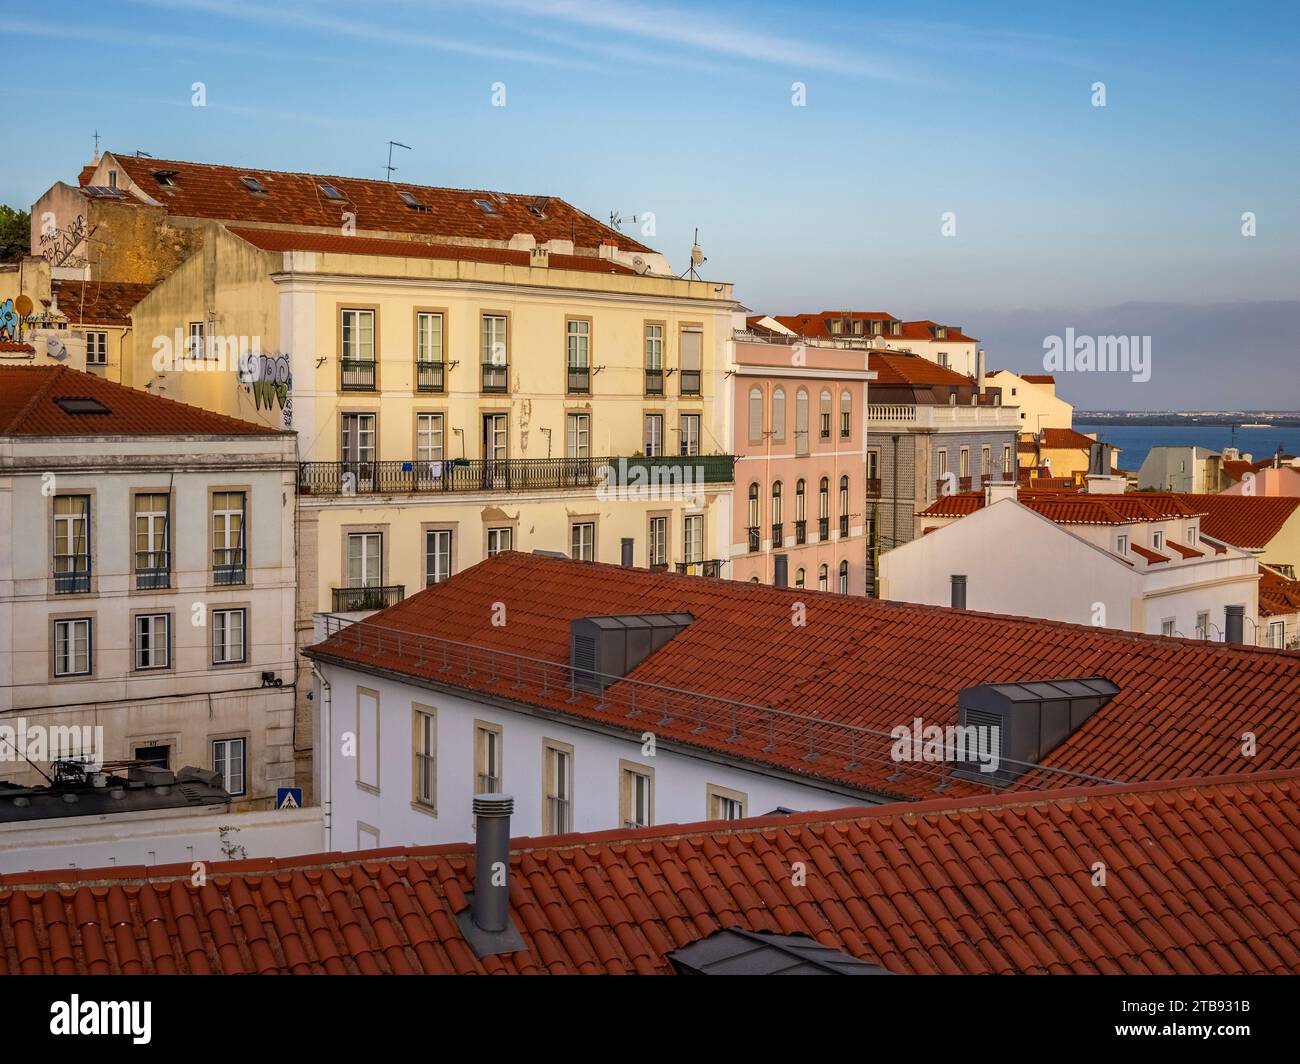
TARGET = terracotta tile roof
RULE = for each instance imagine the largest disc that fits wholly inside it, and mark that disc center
(1277, 594)
(1066, 439)
(98, 302)
(1246, 521)
(1201, 880)
(1038, 378)
(860, 662)
(1075, 507)
(204, 190)
(28, 408)
(815, 325)
(11, 346)
(899, 367)
(291, 240)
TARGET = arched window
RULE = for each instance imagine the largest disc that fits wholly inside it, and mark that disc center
(755, 414)
(753, 580)
(846, 415)
(776, 503)
(825, 418)
(823, 579)
(844, 505)
(801, 421)
(778, 413)
(844, 578)
(753, 505)
(799, 578)
(824, 498)
(800, 502)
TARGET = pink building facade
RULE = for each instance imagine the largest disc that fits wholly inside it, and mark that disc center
(802, 489)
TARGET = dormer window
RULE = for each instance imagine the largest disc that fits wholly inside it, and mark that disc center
(877, 327)
(253, 185)
(857, 328)
(895, 328)
(837, 326)
(940, 332)
(112, 179)
(1157, 540)
(1121, 546)
(1192, 535)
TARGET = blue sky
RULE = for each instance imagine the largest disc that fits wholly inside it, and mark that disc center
(684, 110)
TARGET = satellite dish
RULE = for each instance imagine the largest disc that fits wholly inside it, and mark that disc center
(640, 265)
(23, 305)
(697, 255)
(56, 349)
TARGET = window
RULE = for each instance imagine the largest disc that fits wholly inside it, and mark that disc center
(498, 540)
(429, 358)
(801, 422)
(693, 538)
(557, 776)
(755, 532)
(437, 555)
(229, 634)
(658, 542)
(428, 441)
(844, 506)
(358, 336)
(495, 353)
(152, 547)
(755, 415)
(228, 537)
(654, 360)
(1203, 625)
(582, 541)
(692, 345)
(1006, 457)
(636, 795)
(1121, 546)
(824, 510)
(424, 747)
(1277, 634)
(152, 641)
(800, 512)
(253, 185)
(578, 348)
(577, 436)
(158, 755)
(229, 757)
(411, 201)
(357, 448)
(823, 578)
(800, 578)
(943, 463)
(1193, 534)
(1167, 626)
(943, 359)
(824, 417)
(72, 647)
(367, 738)
(654, 435)
(725, 804)
(365, 559)
(197, 347)
(964, 463)
(778, 413)
(846, 415)
(777, 514)
(330, 191)
(689, 431)
(844, 578)
(986, 460)
(96, 349)
(71, 543)
(1157, 540)
(487, 758)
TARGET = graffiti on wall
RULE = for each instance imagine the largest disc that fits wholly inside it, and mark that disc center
(10, 326)
(267, 376)
(58, 245)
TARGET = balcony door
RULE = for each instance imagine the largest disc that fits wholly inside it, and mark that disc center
(495, 448)
(577, 448)
(357, 450)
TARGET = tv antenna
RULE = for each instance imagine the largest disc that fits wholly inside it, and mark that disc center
(697, 258)
(391, 145)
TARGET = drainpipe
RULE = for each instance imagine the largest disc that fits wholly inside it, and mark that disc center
(326, 755)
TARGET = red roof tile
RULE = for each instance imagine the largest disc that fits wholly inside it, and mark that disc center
(28, 408)
(860, 662)
(1201, 880)
(899, 367)
(816, 325)
(1065, 439)
(205, 190)
(98, 302)
(1277, 594)
(292, 240)
(1074, 507)
(1246, 521)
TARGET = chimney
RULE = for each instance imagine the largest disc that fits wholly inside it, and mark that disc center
(958, 592)
(979, 369)
(781, 570)
(539, 257)
(997, 490)
(1234, 627)
(486, 924)
(626, 546)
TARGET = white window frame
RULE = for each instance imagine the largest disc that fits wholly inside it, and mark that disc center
(693, 538)
(355, 345)
(495, 536)
(151, 652)
(96, 348)
(66, 652)
(582, 541)
(440, 555)
(223, 763)
(222, 629)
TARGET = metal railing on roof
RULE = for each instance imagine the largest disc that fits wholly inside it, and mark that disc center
(848, 753)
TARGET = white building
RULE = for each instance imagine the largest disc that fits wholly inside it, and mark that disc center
(1135, 562)
(146, 578)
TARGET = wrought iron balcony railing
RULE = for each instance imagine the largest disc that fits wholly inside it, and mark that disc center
(823, 528)
(712, 567)
(800, 533)
(228, 565)
(654, 382)
(71, 574)
(778, 534)
(430, 377)
(495, 378)
(755, 538)
(579, 380)
(662, 472)
(368, 597)
(152, 570)
(689, 381)
(358, 375)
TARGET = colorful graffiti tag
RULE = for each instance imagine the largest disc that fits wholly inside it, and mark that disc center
(269, 378)
(10, 326)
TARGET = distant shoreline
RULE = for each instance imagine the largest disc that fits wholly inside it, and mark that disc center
(1269, 421)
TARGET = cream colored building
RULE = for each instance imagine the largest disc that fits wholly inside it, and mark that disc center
(146, 580)
(1035, 395)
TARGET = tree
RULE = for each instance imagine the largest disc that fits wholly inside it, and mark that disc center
(15, 233)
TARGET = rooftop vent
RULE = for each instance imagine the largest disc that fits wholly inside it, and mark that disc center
(1021, 723)
(486, 924)
(1099, 463)
(604, 649)
(732, 951)
(253, 185)
(71, 404)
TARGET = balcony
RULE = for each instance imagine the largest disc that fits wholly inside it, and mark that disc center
(460, 475)
(755, 538)
(654, 382)
(495, 378)
(430, 377)
(71, 574)
(823, 529)
(778, 534)
(579, 382)
(228, 565)
(844, 526)
(873, 487)
(712, 567)
(659, 567)
(689, 381)
(358, 375)
(152, 570)
(800, 533)
(959, 484)
(941, 416)
(371, 597)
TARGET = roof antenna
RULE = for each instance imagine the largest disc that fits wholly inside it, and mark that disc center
(142, 154)
(697, 258)
(391, 145)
